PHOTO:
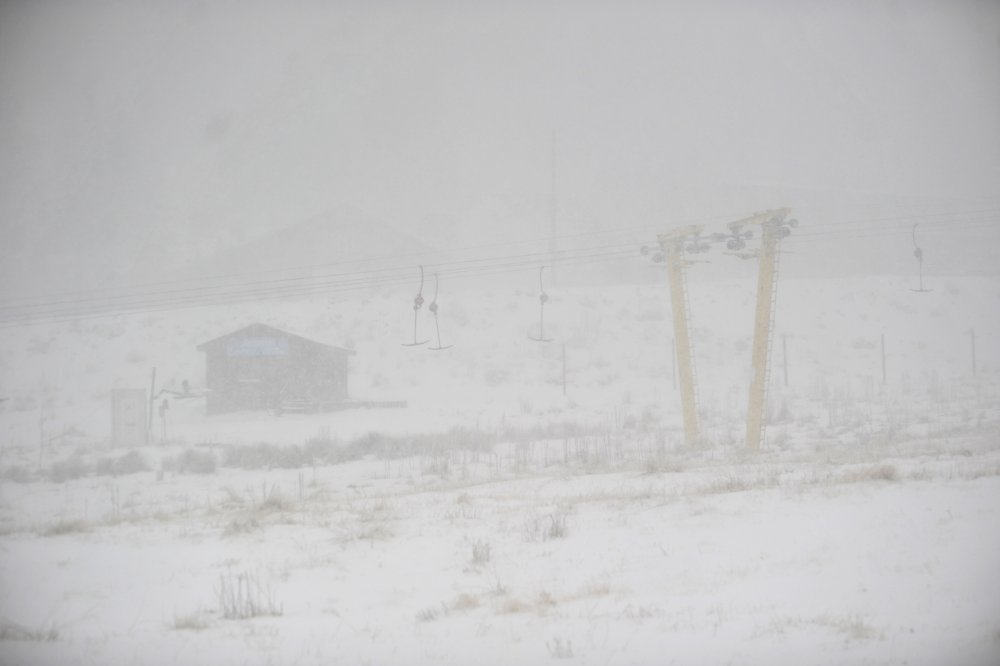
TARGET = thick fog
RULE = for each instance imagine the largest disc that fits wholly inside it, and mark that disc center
(140, 137)
(419, 332)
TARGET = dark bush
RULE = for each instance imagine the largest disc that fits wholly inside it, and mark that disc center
(17, 474)
(69, 469)
(130, 463)
(191, 461)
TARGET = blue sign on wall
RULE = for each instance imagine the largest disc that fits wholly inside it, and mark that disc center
(257, 347)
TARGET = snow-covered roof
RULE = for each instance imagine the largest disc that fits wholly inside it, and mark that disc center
(264, 329)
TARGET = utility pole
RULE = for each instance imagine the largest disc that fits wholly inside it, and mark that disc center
(972, 336)
(883, 358)
(564, 369)
(152, 403)
(773, 229)
(672, 245)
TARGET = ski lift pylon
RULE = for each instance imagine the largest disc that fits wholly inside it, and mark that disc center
(433, 307)
(418, 301)
(919, 254)
(543, 298)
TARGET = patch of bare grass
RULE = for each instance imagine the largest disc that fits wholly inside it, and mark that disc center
(190, 622)
(480, 552)
(883, 472)
(191, 461)
(737, 483)
(465, 602)
(12, 631)
(68, 526)
(513, 605)
(853, 628)
(546, 528)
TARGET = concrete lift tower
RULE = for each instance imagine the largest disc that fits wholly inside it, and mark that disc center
(673, 245)
(774, 227)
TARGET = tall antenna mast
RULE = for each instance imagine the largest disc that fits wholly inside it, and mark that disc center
(552, 212)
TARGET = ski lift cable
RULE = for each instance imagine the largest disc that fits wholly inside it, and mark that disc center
(319, 282)
(68, 317)
(301, 291)
(311, 278)
(291, 287)
(103, 292)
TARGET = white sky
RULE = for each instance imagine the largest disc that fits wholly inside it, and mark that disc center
(138, 133)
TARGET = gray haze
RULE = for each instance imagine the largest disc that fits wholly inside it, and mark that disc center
(141, 136)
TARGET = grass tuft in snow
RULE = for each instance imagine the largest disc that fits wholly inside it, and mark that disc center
(190, 622)
(883, 472)
(245, 595)
(480, 552)
(191, 461)
(68, 526)
(559, 648)
(428, 614)
(546, 528)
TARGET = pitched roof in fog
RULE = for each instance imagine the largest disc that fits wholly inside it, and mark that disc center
(264, 329)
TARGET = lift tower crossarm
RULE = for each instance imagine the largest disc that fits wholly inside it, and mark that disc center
(672, 245)
(773, 229)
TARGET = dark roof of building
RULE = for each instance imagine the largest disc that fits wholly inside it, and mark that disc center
(264, 329)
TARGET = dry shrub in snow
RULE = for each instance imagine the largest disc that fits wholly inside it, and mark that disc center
(17, 474)
(191, 461)
(71, 526)
(269, 456)
(275, 501)
(559, 648)
(884, 472)
(742, 480)
(68, 470)
(480, 552)
(546, 528)
(192, 622)
(129, 463)
(244, 595)
(465, 601)
(428, 614)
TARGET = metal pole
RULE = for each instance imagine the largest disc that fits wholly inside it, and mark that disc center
(972, 335)
(552, 214)
(152, 402)
(883, 358)
(564, 368)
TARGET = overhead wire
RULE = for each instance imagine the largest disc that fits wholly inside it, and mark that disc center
(373, 281)
(204, 294)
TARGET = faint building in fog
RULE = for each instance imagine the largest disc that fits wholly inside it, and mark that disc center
(262, 368)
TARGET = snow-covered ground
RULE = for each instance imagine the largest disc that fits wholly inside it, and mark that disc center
(495, 520)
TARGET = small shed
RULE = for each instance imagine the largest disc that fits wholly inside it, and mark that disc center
(128, 417)
(259, 367)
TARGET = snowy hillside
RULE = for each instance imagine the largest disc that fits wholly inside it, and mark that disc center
(494, 520)
(617, 342)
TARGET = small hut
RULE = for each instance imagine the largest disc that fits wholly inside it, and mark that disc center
(262, 368)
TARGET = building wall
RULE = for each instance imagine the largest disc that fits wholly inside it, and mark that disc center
(258, 373)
